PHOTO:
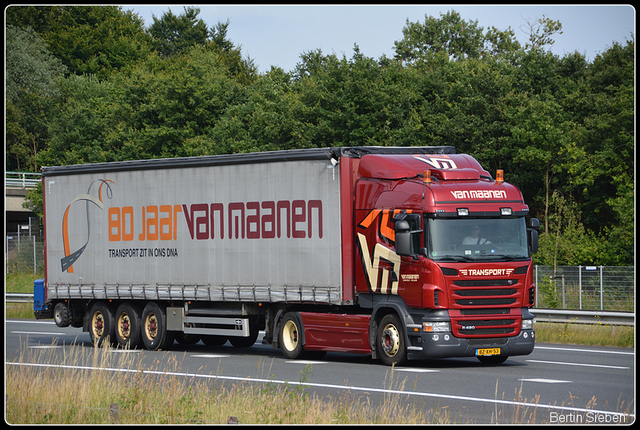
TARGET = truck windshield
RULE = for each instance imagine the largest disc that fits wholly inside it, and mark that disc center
(477, 239)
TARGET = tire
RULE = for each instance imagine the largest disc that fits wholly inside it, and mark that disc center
(213, 340)
(246, 342)
(153, 328)
(127, 330)
(493, 359)
(290, 337)
(62, 315)
(101, 325)
(187, 339)
(390, 340)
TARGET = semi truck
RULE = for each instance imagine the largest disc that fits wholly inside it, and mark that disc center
(367, 250)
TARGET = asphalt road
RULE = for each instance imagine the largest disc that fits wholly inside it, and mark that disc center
(554, 384)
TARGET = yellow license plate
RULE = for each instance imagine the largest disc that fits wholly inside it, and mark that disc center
(488, 351)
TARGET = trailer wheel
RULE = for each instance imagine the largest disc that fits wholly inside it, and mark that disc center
(291, 336)
(127, 330)
(245, 342)
(154, 327)
(391, 341)
(101, 324)
(61, 315)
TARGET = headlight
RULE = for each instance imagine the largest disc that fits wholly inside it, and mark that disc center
(528, 324)
(436, 326)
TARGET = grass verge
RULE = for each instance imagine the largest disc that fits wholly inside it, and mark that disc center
(157, 395)
(586, 334)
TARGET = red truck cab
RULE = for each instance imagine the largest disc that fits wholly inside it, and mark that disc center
(445, 246)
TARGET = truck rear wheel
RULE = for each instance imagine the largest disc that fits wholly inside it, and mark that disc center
(101, 324)
(127, 330)
(291, 336)
(154, 327)
(391, 342)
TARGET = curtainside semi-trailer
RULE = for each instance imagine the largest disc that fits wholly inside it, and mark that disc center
(400, 253)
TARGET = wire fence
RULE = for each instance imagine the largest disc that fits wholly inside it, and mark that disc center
(24, 254)
(605, 288)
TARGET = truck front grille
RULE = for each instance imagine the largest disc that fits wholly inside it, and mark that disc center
(485, 308)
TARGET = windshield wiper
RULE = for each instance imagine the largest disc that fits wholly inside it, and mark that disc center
(503, 257)
(456, 258)
(511, 257)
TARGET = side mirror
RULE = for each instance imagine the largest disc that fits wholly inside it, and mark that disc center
(535, 223)
(403, 238)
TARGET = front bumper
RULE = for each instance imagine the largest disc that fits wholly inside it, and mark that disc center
(445, 345)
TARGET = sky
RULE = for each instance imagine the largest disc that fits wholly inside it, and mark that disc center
(276, 35)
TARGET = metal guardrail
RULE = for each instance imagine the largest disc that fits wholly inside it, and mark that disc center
(584, 317)
(542, 315)
(18, 297)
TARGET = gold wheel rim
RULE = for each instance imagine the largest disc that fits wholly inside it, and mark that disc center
(124, 326)
(151, 326)
(97, 324)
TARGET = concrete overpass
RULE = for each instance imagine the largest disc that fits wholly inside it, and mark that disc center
(16, 186)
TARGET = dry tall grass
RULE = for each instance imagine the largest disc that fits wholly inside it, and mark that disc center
(70, 391)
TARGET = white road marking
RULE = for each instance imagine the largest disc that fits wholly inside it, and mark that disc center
(584, 350)
(546, 381)
(30, 322)
(408, 369)
(39, 332)
(578, 364)
(45, 346)
(305, 362)
(336, 387)
(209, 355)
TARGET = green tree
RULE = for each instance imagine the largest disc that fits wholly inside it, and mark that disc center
(159, 108)
(541, 134)
(567, 242)
(262, 120)
(242, 69)
(601, 170)
(77, 131)
(540, 32)
(450, 34)
(87, 39)
(173, 34)
(32, 76)
(354, 102)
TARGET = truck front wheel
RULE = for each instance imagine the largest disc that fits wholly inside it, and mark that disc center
(391, 342)
(127, 330)
(101, 328)
(154, 327)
